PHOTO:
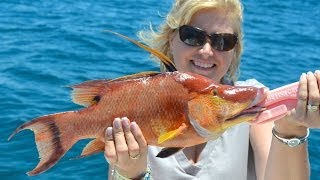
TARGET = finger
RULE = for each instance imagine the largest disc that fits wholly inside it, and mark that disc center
(133, 146)
(317, 74)
(110, 150)
(313, 90)
(135, 129)
(120, 141)
(300, 110)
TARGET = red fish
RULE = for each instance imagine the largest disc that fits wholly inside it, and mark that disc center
(173, 109)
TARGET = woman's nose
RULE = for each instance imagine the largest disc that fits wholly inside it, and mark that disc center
(206, 50)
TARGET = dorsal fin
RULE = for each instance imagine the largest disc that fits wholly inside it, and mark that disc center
(89, 92)
(163, 58)
(136, 76)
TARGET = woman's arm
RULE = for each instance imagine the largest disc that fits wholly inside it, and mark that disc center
(283, 161)
(275, 160)
(287, 162)
(260, 139)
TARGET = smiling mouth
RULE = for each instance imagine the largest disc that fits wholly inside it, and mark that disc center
(203, 65)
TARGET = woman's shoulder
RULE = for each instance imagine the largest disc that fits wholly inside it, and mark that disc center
(250, 82)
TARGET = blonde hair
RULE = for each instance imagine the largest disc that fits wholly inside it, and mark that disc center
(181, 14)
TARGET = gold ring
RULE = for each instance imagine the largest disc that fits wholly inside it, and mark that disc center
(312, 108)
(134, 157)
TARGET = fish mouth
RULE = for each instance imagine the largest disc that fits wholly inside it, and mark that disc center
(255, 108)
(247, 115)
(250, 113)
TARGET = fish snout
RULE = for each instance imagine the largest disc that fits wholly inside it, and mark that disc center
(260, 97)
(256, 105)
(249, 112)
(244, 95)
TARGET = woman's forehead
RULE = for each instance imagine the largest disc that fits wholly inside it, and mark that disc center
(213, 20)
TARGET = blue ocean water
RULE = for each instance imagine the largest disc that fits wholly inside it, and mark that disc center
(47, 45)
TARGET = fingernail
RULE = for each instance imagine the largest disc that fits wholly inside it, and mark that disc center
(303, 75)
(117, 123)
(134, 127)
(125, 122)
(317, 72)
(109, 132)
(310, 73)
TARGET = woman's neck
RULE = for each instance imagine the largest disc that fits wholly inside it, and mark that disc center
(193, 153)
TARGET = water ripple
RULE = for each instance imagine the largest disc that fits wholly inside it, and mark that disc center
(47, 45)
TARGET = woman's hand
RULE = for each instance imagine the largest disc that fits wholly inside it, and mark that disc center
(306, 114)
(126, 148)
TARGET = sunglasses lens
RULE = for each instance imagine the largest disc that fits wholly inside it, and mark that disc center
(191, 36)
(223, 41)
(196, 37)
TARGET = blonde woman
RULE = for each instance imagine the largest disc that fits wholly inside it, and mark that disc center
(205, 37)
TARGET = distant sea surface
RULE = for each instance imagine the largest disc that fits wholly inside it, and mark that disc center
(47, 45)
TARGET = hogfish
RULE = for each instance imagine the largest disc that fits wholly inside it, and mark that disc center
(173, 110)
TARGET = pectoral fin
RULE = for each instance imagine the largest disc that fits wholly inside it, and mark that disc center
(166, 152)
(172, 134)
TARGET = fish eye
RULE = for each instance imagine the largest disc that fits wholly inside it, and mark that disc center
(215, 92)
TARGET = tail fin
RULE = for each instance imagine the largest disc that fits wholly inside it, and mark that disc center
(51, 140)
(163, 58)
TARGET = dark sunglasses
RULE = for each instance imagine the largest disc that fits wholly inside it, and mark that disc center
(194, 36)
